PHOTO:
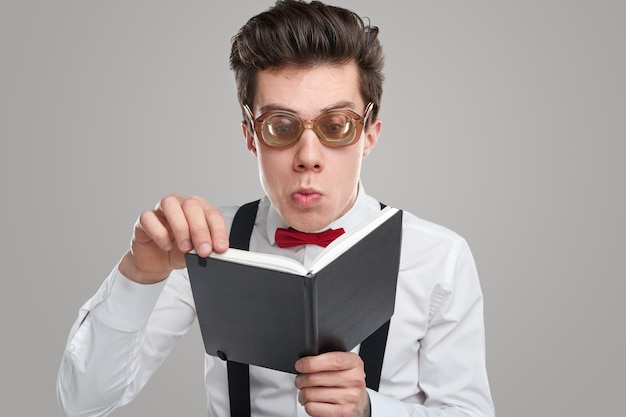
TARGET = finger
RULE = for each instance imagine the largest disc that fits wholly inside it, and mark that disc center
(329, 395)
(319, 409)
(217, 225)
(213, 218)
(354, 378)
(149, 227)
(322, 409)
(330, 361)
(199, 228)
(176, 221)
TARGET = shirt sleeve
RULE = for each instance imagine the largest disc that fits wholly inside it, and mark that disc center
(121, 336)
(452, 364)
(382, 405)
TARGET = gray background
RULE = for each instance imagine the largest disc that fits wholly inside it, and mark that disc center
(504, 121)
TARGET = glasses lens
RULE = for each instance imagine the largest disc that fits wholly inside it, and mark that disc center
(336, 128)
(281, 129)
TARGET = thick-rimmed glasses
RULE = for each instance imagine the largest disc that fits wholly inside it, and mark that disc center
(339, 127)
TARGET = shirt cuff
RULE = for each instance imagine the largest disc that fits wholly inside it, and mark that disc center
(123, 304)
(382, 405)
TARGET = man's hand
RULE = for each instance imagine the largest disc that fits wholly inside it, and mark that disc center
(332, 385)
(162, 236)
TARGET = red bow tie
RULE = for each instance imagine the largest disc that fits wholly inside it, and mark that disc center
(291, 237)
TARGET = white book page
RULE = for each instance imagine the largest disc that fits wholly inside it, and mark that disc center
(263, 260)
(282, 263)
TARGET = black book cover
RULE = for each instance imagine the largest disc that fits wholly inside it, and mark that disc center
(266, 317)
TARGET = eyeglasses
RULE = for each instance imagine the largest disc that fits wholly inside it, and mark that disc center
(280, 128)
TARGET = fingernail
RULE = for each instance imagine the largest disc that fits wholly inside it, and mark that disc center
(221, 244)
(204, 249)
(186, 246)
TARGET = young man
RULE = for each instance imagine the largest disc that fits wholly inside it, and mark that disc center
(309, 82)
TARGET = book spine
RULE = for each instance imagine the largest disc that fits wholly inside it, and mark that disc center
(310, 314)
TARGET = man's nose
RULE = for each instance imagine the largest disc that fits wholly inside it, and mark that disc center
(309, 151)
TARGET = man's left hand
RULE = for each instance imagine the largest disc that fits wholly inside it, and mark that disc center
(332, 384)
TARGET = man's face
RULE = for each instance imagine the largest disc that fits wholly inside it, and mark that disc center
(309, 183)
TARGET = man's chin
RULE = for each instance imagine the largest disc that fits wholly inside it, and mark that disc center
(307, 220)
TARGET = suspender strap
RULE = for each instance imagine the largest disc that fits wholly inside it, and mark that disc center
(243, 223)
(372, 349)
(238, 373)
(372, 352)
(238, 389)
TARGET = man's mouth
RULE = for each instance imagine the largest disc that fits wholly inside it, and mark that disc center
(306, 197)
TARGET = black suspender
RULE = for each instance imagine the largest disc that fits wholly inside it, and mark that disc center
(239, 373)
(372, 349)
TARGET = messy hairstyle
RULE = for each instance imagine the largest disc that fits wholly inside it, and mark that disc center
(297, 33)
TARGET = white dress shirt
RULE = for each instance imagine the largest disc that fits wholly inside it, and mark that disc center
(434, 360)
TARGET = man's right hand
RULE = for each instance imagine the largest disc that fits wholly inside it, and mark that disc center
(162, 236)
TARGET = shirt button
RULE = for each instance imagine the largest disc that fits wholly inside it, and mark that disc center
(71, 348)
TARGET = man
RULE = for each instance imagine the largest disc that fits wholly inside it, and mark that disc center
(309, 82)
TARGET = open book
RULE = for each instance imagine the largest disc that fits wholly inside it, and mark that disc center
(268, 310)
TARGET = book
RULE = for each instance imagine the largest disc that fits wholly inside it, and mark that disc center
(268, 310)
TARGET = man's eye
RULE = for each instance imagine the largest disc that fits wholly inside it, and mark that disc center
(336, 126)
(282, 130)
(282, 127)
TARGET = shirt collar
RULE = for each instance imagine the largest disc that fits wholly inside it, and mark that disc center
(350, 221)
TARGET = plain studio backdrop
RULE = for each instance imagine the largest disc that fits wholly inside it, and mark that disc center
(504, 121)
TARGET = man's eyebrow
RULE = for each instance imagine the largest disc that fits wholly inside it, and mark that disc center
(338, 105)
(272, 107)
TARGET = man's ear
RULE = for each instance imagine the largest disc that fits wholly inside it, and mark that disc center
(248, 135)
(371, 136)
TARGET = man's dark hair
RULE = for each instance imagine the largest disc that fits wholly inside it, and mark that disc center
(297, 33)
